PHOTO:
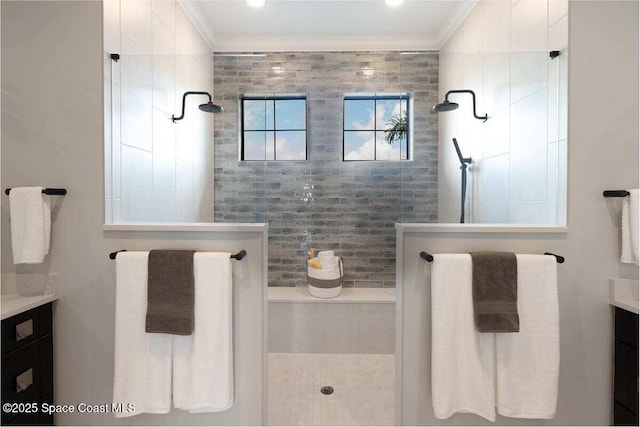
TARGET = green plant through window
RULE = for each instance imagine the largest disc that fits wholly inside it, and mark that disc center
(396, 128)
(376, 127)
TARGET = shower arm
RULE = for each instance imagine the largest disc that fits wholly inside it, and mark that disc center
(473, 95)
(184, 99)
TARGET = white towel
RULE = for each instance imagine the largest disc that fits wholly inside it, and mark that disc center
(30, 212)
(528, 362)
(462, 359)
(203, 362)
(142, 362)
(630, 228)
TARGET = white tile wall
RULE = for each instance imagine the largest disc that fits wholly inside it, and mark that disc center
(495, 174)
(164, 152)
(111, 23)
(563, 98)
(552, 181)
(527, 212)
(497, 21)
(135, 22)
(528, 156)
(331, 328)
(137, 101)
(529, 26)
(562, 180)
(165, 11)
(136, 183)
(148, 82)
(515, 176)
(553, 98)
(557, 10)
(528, 73)
(497, 92)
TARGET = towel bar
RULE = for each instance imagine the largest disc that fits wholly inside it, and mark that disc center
(237, 256)
(47, 191)
(615, 193)
(429, 258)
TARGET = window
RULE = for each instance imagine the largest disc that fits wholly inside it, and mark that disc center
(273, 128)
(376, 127)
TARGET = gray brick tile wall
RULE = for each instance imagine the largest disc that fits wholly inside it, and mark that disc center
(325, 203)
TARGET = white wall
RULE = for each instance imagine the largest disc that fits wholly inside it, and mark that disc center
(156, 170)
(501, 51)
(603, 154)
(351, 328)
(52, 135)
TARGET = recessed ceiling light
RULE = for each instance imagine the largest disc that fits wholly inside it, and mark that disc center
(258, 3)
(393, 3)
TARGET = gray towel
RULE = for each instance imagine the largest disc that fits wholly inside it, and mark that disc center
(495, 291)
(170, 293)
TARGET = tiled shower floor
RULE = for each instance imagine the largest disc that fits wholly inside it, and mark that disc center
(363, 389)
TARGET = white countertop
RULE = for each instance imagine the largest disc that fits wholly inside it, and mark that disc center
(187, 226)
(623, 293)
(300, 294)
(480, 228)
(16, 304)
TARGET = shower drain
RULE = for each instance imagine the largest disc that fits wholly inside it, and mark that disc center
(326, 390)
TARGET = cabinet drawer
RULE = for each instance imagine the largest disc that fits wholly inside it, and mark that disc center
(24, 328)
(21, 377)
(627, 327)
(623, 417)
(24, 420)
(33, 418)
(625, 389)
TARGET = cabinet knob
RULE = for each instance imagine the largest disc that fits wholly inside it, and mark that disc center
(24, 380)
(24, 329)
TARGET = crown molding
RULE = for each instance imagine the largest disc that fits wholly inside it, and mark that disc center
(459, 15)
(195, 14)
(220, 43)
(323, 44)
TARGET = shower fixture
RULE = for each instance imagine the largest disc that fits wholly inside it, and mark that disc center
(209, 107)
(464, 162)
(447, 105)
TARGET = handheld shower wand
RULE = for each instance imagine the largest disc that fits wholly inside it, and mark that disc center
(464, 162)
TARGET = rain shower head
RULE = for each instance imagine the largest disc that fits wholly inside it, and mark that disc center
(447, 105)
(209, 107)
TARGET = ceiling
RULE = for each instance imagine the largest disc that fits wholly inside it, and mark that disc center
(322, 25)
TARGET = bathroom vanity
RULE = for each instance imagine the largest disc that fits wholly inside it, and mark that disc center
(27, 359)
(623, 296)
(625, 378)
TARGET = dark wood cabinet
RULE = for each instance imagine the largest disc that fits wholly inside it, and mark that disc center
(27, 366)
(625, 377)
